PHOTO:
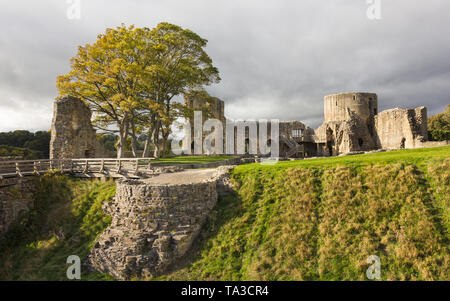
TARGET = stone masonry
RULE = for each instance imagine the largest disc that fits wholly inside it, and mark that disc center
(352, 123)
(72, 134)
(401, 128)
(155, 221)
(16, 198)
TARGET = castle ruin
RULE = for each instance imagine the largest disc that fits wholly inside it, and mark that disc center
(352, 123)
(72, 133)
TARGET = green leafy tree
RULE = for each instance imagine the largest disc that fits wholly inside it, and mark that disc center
(25, 144)
(181, 65)
(107, 75)
(439, 126)
(130, 76)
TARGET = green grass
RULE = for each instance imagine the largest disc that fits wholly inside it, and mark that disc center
(320, 219)
(66, 220)
(315, 219)
(418, 156)
(191, 159)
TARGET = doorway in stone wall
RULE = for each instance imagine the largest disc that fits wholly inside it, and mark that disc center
(402, 143)
(89, 153)
(330, 142)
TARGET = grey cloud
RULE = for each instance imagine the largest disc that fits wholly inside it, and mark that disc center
(277, 59)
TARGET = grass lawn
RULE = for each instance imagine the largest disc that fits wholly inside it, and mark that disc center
(314, 219)
(418, 156)
(320, 219)
(192, 159)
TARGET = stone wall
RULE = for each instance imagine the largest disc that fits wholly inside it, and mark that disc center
(72, 134)
(340, 137)
(337, 106)
(16, 198)
(153, 225)
(401, 128)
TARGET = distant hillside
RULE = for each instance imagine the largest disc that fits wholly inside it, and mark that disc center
(25, 144)
(19, 152)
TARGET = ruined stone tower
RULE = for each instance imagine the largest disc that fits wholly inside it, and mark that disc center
(349, 124)
(338, 106)
(352, 123)
(72, 134)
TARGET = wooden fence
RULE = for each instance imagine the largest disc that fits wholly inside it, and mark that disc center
(126, 167)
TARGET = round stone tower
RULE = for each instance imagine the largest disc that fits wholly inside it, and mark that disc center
(336, 106)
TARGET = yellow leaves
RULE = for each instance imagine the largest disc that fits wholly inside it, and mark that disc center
(118, 98)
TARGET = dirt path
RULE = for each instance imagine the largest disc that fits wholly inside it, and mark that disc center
(183, 177)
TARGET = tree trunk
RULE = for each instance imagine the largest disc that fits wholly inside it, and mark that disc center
(123, 134)
(120, 152)
(155, 140)
(165, 137)
(156, 151)
(133, 146)
(148, 141)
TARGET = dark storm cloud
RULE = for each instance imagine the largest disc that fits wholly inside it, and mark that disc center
(277, 59)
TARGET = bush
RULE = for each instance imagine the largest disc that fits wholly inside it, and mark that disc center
(439, 126)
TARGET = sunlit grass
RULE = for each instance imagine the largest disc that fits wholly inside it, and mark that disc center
(410, 156)
(320, 219)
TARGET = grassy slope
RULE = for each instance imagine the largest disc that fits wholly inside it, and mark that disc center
(67, 220)
(315, 219)
(320, 219)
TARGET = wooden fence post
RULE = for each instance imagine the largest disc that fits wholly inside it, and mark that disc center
(18, 170)
(86, 168)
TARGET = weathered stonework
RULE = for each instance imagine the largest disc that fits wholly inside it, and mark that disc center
(16, 198)
(153, 224)
(72, 134)
(351, 124)
(344, 136)
(401, 128)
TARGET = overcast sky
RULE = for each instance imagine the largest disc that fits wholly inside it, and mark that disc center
(277, 59)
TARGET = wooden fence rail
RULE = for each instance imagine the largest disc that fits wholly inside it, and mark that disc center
(79, 167)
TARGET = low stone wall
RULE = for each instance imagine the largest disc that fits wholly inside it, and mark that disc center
(16, 198)
(153, 225)
(435, 143)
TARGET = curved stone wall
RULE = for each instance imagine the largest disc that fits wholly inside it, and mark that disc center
(153, 225)
(336, 106)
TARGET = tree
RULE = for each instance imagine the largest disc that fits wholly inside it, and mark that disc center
(181, 65)
(130, 76)
(26, 144)
(439, 126)
(105, 75)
